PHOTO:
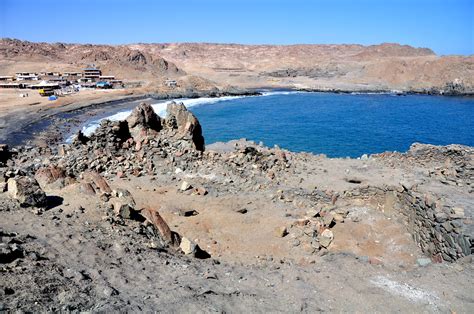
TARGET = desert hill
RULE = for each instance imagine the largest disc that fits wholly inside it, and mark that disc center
(325, 67)
(346, 67)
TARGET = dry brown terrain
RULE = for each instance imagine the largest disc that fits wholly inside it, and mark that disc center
(345, 67)
(326, 67)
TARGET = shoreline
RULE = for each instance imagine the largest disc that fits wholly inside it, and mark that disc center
(31, 125)
(51, 126)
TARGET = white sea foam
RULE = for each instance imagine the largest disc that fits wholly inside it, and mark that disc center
(160, 108)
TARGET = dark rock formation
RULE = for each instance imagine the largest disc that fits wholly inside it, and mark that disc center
(187, 125)
(143, 121)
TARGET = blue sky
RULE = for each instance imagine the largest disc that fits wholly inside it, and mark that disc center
(446, 26)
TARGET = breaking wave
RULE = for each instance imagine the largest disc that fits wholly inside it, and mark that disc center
(160, 108)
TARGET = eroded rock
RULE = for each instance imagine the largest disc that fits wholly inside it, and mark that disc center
(143, 121)
(187, 125)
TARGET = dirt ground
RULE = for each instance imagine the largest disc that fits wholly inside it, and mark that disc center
(79, 257)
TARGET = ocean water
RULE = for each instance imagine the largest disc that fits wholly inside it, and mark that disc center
(338, 125)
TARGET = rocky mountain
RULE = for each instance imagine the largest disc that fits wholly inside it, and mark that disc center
(381, 67)
(343, 67)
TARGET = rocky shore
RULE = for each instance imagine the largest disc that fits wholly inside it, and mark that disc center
(51, 125)
(143, 216)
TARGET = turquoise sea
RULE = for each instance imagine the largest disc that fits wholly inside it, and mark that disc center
(340, 125)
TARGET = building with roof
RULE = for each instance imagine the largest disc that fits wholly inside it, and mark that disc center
(106, 77)
(7, 78)
(92, 73)
(26, 76)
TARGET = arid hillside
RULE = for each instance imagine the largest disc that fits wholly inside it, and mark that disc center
(345, 67)
(325, 67)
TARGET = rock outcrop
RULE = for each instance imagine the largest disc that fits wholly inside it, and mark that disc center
(186, 124)
(143, 122)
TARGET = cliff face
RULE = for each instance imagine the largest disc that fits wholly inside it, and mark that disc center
(342, 67)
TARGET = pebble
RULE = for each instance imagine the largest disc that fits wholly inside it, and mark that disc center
(423, 262)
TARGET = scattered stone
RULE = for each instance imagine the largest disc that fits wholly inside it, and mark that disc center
(295, 242)
(49, 175)
(458, 212)
(10, 252)
(187, 212)
(97, 181)
(187, 246)
(338, 218)
(123, 204)
(199, 191)
(312, 212)
(190, 248)
(375, 260)
(325, 238)
(423, 262)
(281, 232)
(185, 186)
(328, 219)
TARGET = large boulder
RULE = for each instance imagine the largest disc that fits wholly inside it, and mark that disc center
(143, 121)
(187, 125)
(27, 192)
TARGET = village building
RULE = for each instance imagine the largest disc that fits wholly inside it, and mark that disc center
(106, 77)
(92, 73)
(44, 85)
(26, 76)
(13, 85)
(7, 78)
(72, 75)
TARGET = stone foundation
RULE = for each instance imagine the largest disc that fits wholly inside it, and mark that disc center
(444, 232)
(439, 229)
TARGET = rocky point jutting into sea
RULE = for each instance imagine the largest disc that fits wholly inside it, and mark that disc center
(142, 215)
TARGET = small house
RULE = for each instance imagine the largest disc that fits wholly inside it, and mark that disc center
(26, 76)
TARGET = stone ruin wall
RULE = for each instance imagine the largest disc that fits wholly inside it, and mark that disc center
(440, 230)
